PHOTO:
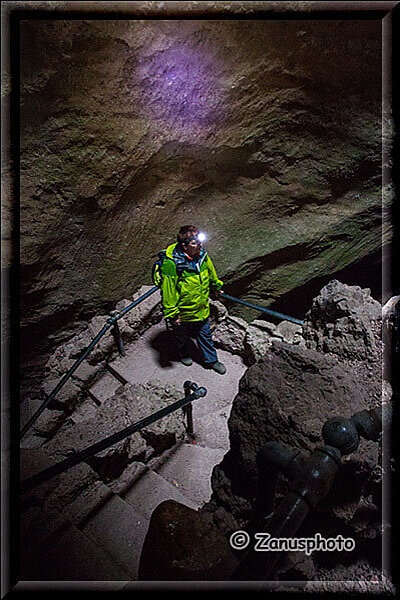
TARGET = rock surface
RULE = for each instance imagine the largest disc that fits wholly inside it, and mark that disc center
(286, 396)
(230, 334)
(128, 405)
(183, 546)
(260, 335)
(345, 321)
(252, 340)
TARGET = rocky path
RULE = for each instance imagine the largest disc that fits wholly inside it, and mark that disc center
(149, 360)
(110, 521)
(184, 474)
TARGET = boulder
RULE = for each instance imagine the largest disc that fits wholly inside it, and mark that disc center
(256, 343)
(86, 410)
(181, 545)
(147, 399)
(287, 396)
(260, 335)
(68, 396)
(290, 332)
(65, 355)
(49, 422)
(218, 312)
(46, 424)
(345, 321)
(265, 326)
(230, 334)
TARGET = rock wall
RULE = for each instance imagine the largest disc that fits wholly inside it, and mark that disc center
(265, 133)
(286, 395)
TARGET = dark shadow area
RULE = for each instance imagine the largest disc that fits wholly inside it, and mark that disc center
(164, 344)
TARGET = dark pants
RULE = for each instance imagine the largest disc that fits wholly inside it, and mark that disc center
(201, 332)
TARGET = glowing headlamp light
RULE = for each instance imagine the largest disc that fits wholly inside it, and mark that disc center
(197, 239)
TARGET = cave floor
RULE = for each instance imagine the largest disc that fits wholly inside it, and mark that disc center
(152, 358)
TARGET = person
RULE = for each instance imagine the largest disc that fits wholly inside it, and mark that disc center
(187, 278)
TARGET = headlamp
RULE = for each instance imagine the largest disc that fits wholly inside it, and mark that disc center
(198, 238)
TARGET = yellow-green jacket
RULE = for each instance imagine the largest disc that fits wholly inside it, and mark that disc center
(185, 284)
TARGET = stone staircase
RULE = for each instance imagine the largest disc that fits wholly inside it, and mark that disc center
(99, 535)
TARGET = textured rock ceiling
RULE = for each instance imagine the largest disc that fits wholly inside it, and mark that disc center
(264, 133)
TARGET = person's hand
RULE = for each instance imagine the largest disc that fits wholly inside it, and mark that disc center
(170, 322)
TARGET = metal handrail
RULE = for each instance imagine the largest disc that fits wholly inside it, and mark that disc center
(111, 321)
(273, 313)
(192, 392)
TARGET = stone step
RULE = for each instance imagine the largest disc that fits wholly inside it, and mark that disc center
(190, 469)
(87, 410)
(88, 503)
(119, 530)
(152, 489)
(53, 549)
(103, 529)
(104, 387)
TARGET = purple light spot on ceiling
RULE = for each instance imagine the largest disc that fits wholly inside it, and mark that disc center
(180, 86)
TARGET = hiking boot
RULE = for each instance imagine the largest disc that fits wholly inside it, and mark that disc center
(186, 361)
(218, 367)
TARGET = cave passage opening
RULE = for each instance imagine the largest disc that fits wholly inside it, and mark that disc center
(366, 273)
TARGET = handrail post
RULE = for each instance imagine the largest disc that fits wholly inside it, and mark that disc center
(189, 416)
(116, 331)
(189, 387)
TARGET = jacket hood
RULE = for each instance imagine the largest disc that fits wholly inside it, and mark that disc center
(183, 262)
